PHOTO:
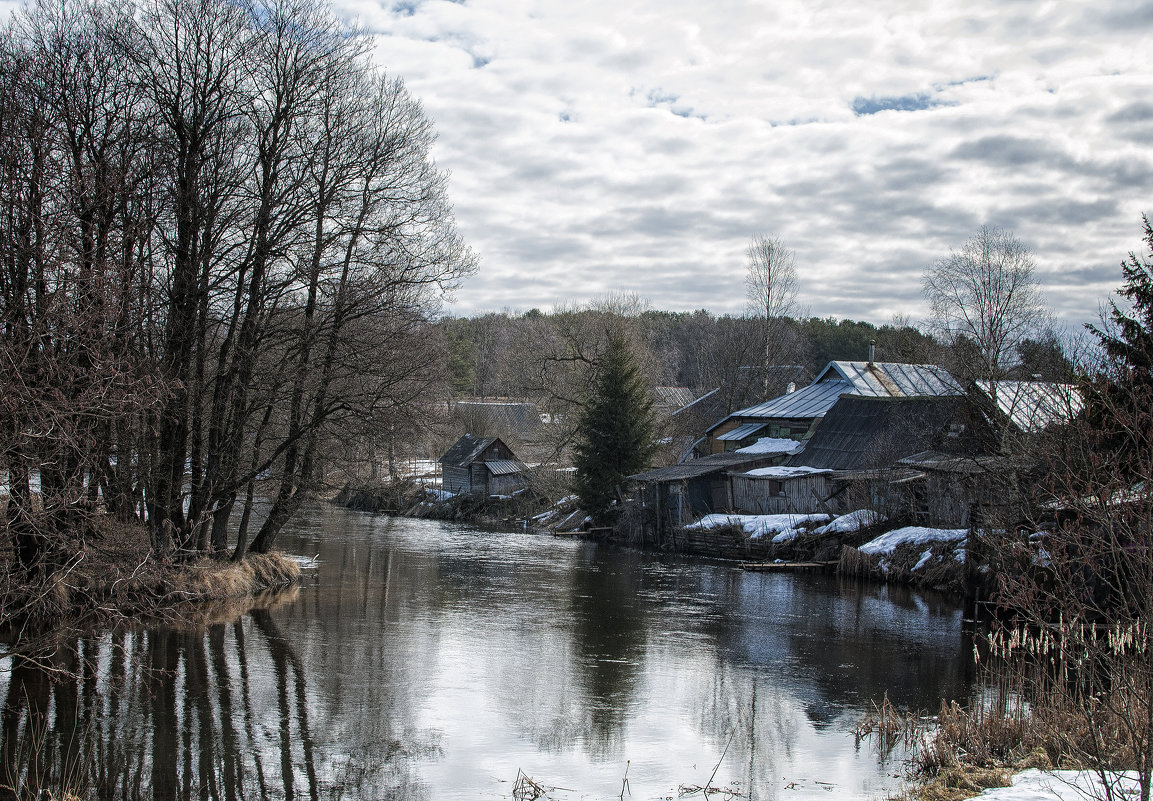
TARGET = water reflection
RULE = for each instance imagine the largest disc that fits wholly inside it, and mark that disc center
(425, 660)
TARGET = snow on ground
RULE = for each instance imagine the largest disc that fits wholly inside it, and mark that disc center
(853, 521)
(439, 495)
(920, 535)
(785, 527)
(772, 445)
(1058, 785)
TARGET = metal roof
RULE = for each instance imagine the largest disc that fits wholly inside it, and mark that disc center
(951, 462)
(504, 416)
(743, 431)
(504, 467)
(806, 403)
(713, 463)
(1034, 405)
(673, 397)
(892, 379)
(868, 379)
(871, 432)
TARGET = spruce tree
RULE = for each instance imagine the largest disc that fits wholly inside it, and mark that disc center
(615, 436)
(1120, 402)
(1129, 340)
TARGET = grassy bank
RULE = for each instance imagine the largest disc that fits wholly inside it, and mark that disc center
(964, 750)
(116, 575)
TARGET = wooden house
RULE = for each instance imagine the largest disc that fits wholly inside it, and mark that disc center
(797, 414)
(853, 460)
(482, 466)
(781, 490)
(686, 492)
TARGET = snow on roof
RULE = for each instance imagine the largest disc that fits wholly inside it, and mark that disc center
(771, 445)
(780, 471)
(919, 535)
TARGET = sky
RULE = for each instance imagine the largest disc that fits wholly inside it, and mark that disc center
(608, 146)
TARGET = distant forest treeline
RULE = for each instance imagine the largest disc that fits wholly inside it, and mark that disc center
(503, 354)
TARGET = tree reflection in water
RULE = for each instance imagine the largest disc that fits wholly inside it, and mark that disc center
(171, 714)
(436, 660)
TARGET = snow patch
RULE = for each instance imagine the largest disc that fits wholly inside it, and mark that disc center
(1059, 785)
(853, 521)
(918, 535)
(785, 526)
(924, 560)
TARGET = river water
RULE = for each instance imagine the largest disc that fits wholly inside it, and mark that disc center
(427, 660)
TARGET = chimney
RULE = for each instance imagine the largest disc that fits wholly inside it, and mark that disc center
(872, 351)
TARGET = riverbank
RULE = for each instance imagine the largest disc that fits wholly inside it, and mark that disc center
(860, 544)
(412, 499)
(115, 575)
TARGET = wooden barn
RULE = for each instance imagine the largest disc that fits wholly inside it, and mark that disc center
(854, 461)
(482, 466)
(783, 490)
(686, 492)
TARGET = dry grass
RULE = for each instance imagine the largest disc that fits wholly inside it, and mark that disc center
(969, 750)
(115, 575)
(210, 578)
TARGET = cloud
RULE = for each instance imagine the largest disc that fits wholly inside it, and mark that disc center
(637, 146)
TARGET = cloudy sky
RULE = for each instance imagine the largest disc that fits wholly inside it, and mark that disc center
(636, 145)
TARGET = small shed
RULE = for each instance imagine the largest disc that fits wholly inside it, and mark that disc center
(482, 466)
(782, 490)
(688, 491)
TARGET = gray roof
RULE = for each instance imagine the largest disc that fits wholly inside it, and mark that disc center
(504, 467)
(713, 463)
(467, 450)
(872, 432)
(1034, 405)
(673, 398)
(877, 379)
(743, 431)
(893, 379)
(951, 462)
(503, 416)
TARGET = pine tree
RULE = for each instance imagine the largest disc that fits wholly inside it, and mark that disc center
(1120, 402)
(615, 436)
(1128, 341)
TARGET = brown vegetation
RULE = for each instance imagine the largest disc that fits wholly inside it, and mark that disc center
(115, 575)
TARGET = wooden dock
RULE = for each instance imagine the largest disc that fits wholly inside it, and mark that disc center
(774, 567)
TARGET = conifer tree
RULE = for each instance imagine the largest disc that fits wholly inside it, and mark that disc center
(615, 436)
(1120, 402)
(1128, 340)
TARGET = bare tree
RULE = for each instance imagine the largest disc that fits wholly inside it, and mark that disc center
(986, 295)
(221, 237)
(771, 287)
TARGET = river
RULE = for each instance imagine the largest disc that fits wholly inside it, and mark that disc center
(428, 660)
